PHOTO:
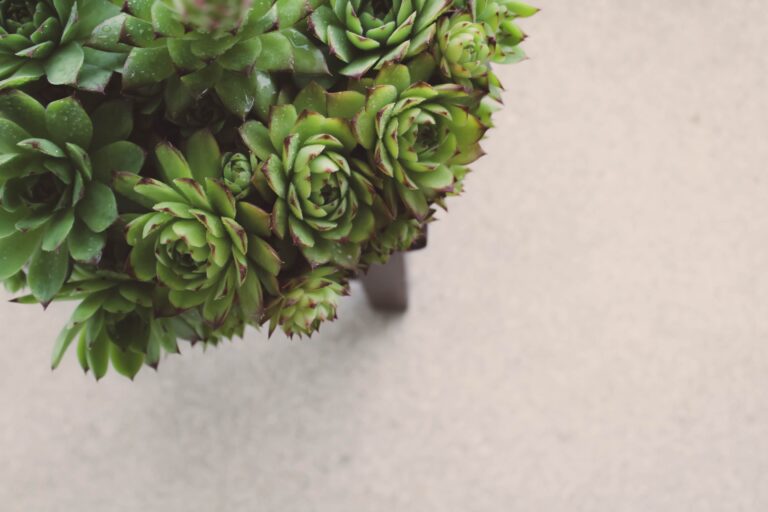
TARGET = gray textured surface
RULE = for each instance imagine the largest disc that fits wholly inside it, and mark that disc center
(588, 332)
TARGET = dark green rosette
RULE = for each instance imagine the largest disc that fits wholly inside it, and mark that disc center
(50, 39)
(322, 199)
(207, 248)
(230, 48)
(56, 165)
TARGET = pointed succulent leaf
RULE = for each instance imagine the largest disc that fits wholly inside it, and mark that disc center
(203, 155)
(281, 121)
(24, 110)
(15, 251)
(97, 354)
(236, 93)
(44, 146)
(221, 198)
(125, 361)
(253, 219)
(146, 66)
(98, 209)
(64, 65)
(120, 156)
(47, 272)
(58, 230)
(64, 340)
(261, 253)
(84, 245)
(67, 121)
(173, 165)
(311, 98)
(158, 191)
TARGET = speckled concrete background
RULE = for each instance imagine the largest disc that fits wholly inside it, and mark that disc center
(589, 329)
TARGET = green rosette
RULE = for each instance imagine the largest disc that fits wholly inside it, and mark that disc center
(418, 134)
(463, 50)
(207, 248)
(307, 301)
(56, 166)
(196, 49)
(49, 39)
(499, 17)
(322, 198)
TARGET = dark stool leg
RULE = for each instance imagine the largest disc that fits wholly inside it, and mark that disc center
(386, 285)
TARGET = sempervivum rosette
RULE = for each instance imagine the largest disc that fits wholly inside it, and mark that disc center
(48, 39)
(367, 34)
(208, 249)
(498, 17)
(184, 169)
(419, 134)
(463, 49)
(56, 165)
(322, 198)
(231, 55)
(307, 301)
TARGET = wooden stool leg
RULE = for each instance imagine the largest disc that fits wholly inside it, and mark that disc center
(386, 285)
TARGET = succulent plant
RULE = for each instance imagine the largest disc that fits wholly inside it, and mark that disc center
(208, 249)
(367, 34)
(322, 199)
(57, 163)
(231, 56)
(498, 17)
(237, 172)
(417, 133)
(397, 235)
(307, 301)
(49, 39)
(463, 49)
(212, 17)
(184, 169)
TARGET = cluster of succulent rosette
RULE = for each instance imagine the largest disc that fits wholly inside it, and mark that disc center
(185, 168)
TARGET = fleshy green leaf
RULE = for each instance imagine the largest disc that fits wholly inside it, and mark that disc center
(62, 344)
(58, 230)
(48, 271)
(23, 110)
(146, 66)
(97, 355)
(120, 156)
(15, 250)
(173, 165)
(125, 362)
(256, 136)
(221, 198)
(203, 155)
(84, 245)
(253, 219)
(281, 121)
(261, 253)
(63, 66)
(67, 121)
(98, 208)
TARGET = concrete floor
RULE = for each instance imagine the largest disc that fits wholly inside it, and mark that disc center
(589, 329)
